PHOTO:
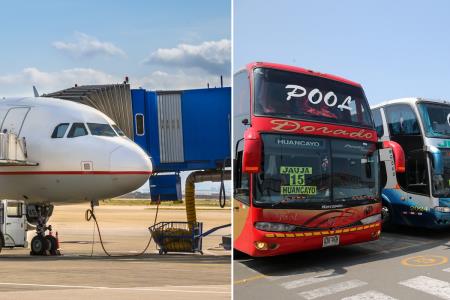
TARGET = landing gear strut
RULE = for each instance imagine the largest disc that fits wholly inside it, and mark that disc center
(42, 244)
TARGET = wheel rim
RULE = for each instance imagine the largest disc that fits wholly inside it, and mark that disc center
(37, 245)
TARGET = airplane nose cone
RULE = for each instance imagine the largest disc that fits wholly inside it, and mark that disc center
(130, 159)
(130, 168)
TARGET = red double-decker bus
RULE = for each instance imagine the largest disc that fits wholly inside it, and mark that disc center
(306, 162)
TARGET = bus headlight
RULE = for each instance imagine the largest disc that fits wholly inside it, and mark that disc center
(269, 226)
(442, 209)
(371, 219)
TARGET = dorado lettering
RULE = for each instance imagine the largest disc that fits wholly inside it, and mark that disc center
(292, 126)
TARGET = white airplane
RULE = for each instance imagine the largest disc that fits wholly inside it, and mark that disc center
(74, 153)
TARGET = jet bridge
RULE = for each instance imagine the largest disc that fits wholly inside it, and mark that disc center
(181, 130)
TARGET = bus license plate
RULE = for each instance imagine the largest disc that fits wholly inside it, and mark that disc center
(332, 240)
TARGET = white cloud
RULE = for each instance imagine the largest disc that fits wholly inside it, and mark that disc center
(20, 84)
(160, 80)
(214, 57)
(88, 46)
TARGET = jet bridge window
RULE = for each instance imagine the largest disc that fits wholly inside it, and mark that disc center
(77, 129)
(139, 118)
(101, 129)
(60, 131)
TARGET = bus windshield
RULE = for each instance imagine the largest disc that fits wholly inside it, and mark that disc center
(310, 172)
(436, 119)
(292, 95)
(441, 183)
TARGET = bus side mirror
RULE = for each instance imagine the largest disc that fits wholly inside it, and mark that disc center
(436, 159)
(251, 159)
(399, 155)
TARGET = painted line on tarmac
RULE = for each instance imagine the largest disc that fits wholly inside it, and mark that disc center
(149, 289)
(446, 270)
(424, 261)
(429, 285)
(245, 280)
(370, 295)
(332, 289)
(311, 280)
(296, 273)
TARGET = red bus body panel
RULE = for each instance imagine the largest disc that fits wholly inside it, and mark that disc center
(340, 220)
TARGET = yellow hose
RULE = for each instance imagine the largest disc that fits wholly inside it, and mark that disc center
(189, 193)
(189, 190)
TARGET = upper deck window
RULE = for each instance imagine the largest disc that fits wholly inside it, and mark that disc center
(402, 120)
(435, 119)
(293, 95)
(101, 129)
(378, 122)
(77, 129)
(60, 131)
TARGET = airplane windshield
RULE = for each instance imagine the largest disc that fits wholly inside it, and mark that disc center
(118, 130)
(101, 129)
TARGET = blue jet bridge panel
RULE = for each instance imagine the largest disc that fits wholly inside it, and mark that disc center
(182, 131)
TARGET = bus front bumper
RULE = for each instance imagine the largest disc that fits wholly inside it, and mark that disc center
(278, 243)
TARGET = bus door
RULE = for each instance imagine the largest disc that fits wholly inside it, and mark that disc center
(404, 129)
(241, 201)
(417, 179)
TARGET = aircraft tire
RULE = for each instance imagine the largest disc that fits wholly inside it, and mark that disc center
(52, 241)
(39, 245)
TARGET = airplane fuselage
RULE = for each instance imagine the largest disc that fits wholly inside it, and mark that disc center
(75, 164)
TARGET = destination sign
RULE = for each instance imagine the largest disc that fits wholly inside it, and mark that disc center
(299, 143)
(297, 181)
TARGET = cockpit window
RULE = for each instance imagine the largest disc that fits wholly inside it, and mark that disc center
(77, 129)
(101, 129)
(118, 130)
(60, 131)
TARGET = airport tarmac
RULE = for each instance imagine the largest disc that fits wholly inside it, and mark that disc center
(76, 274)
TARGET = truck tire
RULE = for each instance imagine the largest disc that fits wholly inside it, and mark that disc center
(2, 241)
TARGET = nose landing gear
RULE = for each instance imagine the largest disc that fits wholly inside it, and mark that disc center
(43, 244)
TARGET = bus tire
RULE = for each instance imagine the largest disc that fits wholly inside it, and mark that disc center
(386, 217)
(238, 254)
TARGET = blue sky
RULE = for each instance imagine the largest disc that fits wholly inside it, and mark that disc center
(54, 43)
(159, 44)
(393, 48)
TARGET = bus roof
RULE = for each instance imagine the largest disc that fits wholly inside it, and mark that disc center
(300, 70)
(409, 100)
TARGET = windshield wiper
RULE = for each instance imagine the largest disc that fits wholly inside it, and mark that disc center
(359, 198)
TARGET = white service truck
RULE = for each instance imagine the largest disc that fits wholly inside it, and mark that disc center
(13, 224)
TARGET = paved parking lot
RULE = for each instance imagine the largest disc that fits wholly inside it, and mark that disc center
(403, 264)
